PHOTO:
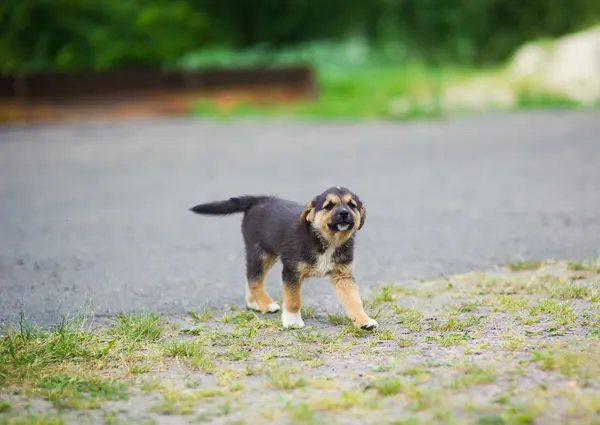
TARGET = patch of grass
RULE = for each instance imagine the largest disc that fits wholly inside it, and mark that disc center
(524, 265)
(31, 357)
(347, 399)
(308, 311)
(386, 294)
(338, 319)
(4, 405)
(139, 368)
(183, 348)
(477, 348)
(576, 362)
(410, 317)
(527, 320)
(230, 377)
(236, 354)
(35, 419)
(406, 342)
(177, 401)
(302, 414)
(467, 307)
(473, 374)
(448, 340)
(505, 302)
(455, 323)
(592, 266)
(596, 326)
(512, 342)
(193, 352)
(560, 312)
(282, 379)
(314, 337)
(202, 316)
(385, 334)
(133, 328)
(571, 290)
(535, 99)
(389, 385)
(66, 391)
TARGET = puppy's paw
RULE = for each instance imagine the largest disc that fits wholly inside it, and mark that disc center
(291, 320)
(273, 308)
(252, 306)
(369, 325)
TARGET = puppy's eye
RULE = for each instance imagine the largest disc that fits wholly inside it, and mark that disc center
(352, 204)
(328, 206)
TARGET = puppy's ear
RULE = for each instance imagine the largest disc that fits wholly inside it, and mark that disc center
(363, 215)
(308, 213)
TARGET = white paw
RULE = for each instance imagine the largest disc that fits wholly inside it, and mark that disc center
(273, 308)
(369, 325)
(253, 306)
(291, 320)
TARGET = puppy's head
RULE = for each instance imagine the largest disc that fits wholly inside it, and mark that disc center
(336, 213)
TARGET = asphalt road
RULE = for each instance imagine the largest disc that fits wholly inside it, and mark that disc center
(100, 211)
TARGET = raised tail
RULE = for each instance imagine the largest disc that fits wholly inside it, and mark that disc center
(230, 206)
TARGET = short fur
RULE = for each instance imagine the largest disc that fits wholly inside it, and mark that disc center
(316, 239)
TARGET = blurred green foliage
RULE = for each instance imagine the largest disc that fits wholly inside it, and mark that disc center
(96, 34)
(100, 34)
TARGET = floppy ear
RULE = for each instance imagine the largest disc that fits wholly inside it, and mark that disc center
(308, 213)
(363, 215)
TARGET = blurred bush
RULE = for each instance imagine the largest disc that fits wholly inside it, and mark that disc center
(100, 34)
(96, 34)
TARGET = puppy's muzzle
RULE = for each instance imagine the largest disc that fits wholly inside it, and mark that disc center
(342, 220)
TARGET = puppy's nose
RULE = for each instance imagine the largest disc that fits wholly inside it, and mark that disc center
(344, 213)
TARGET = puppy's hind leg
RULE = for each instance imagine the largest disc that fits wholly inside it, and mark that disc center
(257, 265)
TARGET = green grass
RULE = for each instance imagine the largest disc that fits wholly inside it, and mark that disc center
(67, 391)
(60, 363)
(192, 352)
(525, 265)
(134, 328)
(574, 362)
(411, 317)
(455, 323)
(283, 379)
(35, 419)
(388, 386)
(351, 93)
(356, 81)
(592, 266)
(532, 99)
(560, 312)
(448, 340)
(432, 360)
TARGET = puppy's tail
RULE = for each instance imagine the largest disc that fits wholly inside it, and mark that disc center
(231, 206)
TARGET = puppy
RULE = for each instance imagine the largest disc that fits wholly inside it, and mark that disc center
(314, 240)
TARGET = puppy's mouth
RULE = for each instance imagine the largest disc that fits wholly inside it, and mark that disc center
(341, 226)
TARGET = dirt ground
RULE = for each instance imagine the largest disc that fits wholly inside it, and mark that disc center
(514, 345)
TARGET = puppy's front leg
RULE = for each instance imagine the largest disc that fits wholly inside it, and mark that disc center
(292, 300)
(347, 292)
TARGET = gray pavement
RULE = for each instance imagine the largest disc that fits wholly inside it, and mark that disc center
(99, 211)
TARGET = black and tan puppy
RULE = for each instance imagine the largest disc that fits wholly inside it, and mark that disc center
(310, 241)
